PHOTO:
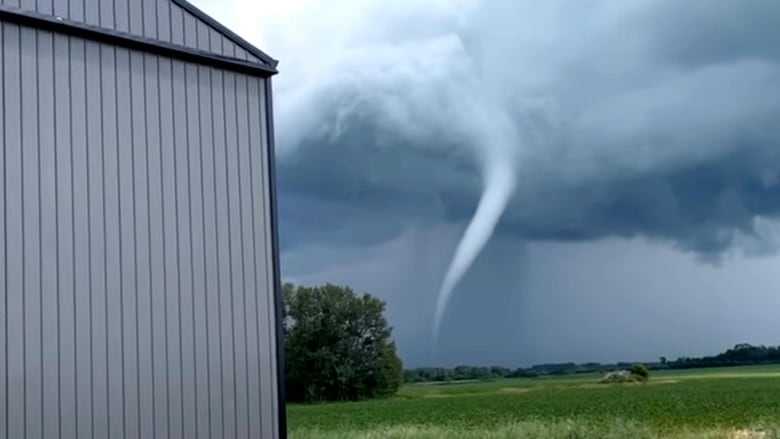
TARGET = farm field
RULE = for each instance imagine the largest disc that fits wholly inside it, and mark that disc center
(734, 402)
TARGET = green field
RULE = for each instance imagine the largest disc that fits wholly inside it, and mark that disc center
(704, 403)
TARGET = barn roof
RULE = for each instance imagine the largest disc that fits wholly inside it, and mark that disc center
(174, 28)
(214, 24)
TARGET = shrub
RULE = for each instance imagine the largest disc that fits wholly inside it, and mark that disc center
(637, 373)
(640, 371)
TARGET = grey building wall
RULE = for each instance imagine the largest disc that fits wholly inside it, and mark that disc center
(162, 20)
(136, 263)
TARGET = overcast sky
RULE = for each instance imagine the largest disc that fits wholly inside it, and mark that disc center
(642, 137)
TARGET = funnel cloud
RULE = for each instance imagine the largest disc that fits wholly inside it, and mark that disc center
(499, 180)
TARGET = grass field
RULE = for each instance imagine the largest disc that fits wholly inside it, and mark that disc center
(713, 403)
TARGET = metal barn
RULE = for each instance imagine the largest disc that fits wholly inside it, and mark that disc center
(139, 263)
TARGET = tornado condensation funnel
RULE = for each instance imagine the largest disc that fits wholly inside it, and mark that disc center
(499, 184)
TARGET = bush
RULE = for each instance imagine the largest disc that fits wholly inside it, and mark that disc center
(640, 371)
(637, 373)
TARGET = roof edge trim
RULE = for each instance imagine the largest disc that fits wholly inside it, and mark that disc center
(219, 27)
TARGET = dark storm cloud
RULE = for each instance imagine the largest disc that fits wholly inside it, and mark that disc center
(656, 119)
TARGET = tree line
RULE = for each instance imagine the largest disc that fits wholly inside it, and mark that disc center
(743, 354)
(463, 372)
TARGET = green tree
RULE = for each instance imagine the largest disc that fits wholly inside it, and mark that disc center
(338, 345)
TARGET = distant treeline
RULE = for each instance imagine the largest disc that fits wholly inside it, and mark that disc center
(740, 355)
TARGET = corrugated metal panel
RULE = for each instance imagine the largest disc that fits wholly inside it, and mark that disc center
(157, 19)
(14, 234)
(136, 259)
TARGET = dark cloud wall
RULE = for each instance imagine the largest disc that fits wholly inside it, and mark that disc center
(654, 119)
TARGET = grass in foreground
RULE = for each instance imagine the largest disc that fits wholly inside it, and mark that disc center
(567, 429)
(726, 403)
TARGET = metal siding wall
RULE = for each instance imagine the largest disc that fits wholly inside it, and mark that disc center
(147, 18)
(136, 259)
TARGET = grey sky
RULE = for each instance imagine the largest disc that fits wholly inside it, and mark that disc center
(646, 142)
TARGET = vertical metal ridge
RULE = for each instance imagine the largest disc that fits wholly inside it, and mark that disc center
(230, 264)
(57, 239)
(165, 271)
(40, 222)
(153, 377)
(243, 254)
(5, 243)
(13, 195)
(105, 248)
(65, 245)
(89, 245)
(73, 237)
(205, 250)
(189, 237)
(24, 246)
(178, 251)
(203, 246)
(5, 240)
(47, 266)
(219, 265)
(135, 241)
(121, 261)
(164, 256)
(119, 238)
(255, 266)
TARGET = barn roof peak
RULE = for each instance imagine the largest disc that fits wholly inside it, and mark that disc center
(175, 27)
(232, 36)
